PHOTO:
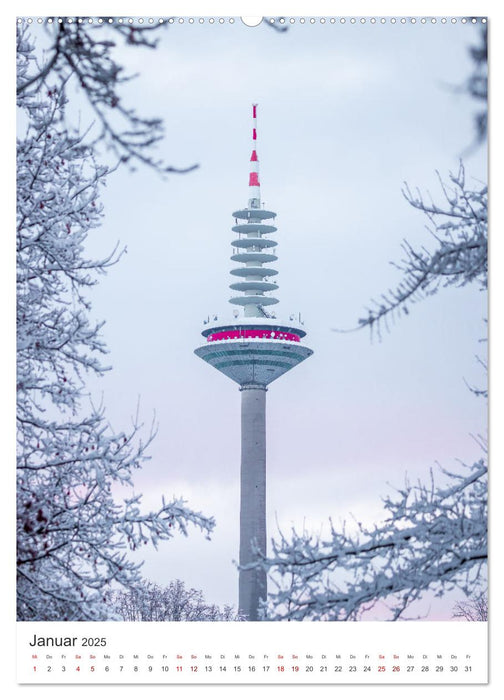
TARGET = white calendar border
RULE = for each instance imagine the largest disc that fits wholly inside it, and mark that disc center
(191, 7)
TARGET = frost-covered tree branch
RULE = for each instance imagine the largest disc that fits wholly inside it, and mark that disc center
(459, 226)
(73, 534)
(477, 83)
(82, 54)
(473, 609)
(434, 539)
(150, 602)
(460, 232)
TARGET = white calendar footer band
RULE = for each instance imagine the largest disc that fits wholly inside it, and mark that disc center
(252, 652)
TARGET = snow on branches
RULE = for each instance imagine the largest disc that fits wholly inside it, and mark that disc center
(81, 52)
(150, 602)
(460, 229)
(73, 536)
(432, 540)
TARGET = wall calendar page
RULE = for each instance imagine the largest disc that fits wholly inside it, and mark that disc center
(252, 323)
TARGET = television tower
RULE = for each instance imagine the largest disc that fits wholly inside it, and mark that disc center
(253, 348)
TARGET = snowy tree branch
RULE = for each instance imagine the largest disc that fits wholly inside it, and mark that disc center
(461, 231)
(433, 539)
(72, 533)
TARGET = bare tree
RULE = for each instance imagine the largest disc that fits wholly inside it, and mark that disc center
(81, 55)
(473, 610)
(150, 602)
(73, 536)
(433, 538)
(477, 83)
(459, 228)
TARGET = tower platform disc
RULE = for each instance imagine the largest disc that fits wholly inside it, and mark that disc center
(258, 362)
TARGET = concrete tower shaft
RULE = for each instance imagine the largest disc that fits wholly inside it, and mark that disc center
(252, 582)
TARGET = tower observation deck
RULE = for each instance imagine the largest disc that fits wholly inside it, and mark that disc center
(253, 349)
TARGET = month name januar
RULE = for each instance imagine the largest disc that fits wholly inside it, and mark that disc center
(52, 641)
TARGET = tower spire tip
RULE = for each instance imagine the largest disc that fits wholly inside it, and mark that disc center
(254, 184)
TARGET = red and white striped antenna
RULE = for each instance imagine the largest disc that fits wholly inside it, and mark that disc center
(254, 184)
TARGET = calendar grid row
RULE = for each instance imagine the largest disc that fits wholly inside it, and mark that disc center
(203, 668)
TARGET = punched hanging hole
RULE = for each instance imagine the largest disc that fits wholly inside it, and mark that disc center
(251, 21)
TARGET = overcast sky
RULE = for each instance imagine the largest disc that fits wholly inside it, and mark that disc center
(347, 113)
